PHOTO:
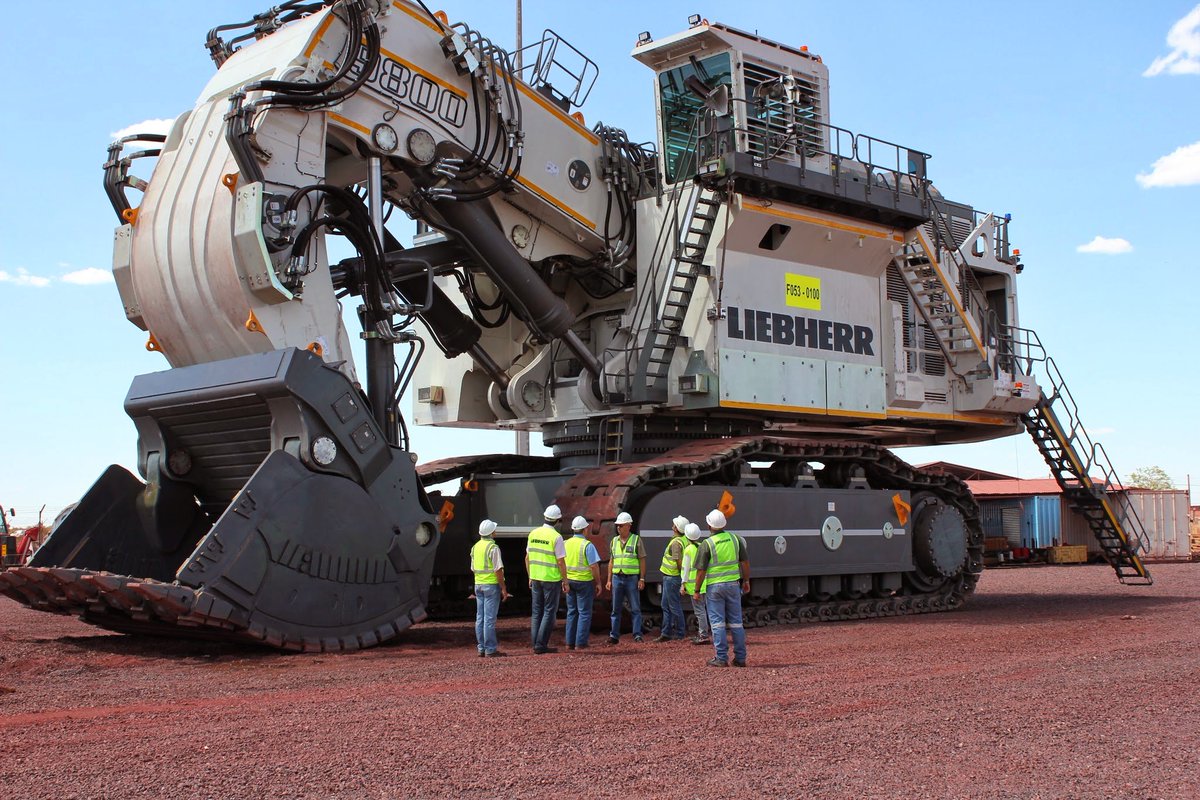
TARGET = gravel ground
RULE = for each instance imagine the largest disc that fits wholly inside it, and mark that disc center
(1052, 682)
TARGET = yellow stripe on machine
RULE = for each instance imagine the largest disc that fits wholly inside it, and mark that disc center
(800, 409)
(449, 87)
(317, 34)
(349, 123)
(574, 124)
(900, 413)
(861, 230)
(419, 16)
(554, 201)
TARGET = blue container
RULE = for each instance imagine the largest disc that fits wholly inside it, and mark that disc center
(1041, 524)
(1025, 521)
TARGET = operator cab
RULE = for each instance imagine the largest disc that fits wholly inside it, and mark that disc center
(734, 105)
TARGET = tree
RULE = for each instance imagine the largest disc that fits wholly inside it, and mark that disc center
(1150, 478)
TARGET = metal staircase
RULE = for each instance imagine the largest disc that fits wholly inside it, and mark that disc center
(939, 302)
(1079, 465)
(685, 268)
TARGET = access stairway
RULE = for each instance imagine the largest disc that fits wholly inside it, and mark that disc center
(1073, 458)
(685, 267)
(939, 301)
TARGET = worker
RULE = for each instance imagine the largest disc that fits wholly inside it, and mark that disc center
(583, 574)
(672, 607)
(723, 562)
(626, 576)
(545, 564)
(687, 571)
(490, 589)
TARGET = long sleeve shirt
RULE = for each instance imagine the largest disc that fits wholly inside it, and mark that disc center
(685, 568)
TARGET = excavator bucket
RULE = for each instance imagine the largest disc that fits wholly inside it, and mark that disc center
(273, 511)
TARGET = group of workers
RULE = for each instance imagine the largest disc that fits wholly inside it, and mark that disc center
(714, 571)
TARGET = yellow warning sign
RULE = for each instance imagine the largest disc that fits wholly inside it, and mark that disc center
(803, 291)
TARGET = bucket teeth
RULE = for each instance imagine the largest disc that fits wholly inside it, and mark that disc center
(172, 603)
(113, 590)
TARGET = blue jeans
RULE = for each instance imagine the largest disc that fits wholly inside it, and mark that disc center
(487, 605)
(700, 609)
(545, 609)
(579, 613)
(725, 612)
(672, 619)
(625, 587)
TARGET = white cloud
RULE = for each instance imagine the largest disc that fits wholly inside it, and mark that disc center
(1105, 245)
(22, 278)
(89, 276)
(1184, 39)
(1180, 168)
(162, 126)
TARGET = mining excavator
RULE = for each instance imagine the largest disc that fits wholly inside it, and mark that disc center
(745, 314)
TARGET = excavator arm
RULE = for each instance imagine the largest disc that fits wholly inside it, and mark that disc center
(279, 502)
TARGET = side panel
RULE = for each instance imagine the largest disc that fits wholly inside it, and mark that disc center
(783, 528)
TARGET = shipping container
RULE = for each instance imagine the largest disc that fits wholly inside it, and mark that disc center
(1075, 530)
(1164, 515)
(1040, 525)
(1024, 521)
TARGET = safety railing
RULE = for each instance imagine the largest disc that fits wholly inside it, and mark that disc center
(575, 73)
(1096, 472)
(660, 261)
(810, 143)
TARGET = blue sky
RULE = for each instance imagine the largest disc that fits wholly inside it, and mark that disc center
(1081, 119)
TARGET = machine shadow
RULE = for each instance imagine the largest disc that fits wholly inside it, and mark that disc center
(1049, 607)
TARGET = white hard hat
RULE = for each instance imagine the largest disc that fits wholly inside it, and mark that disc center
(680, 523)
(624, 518)
(716, 520)
(692, 531)
(487, 528)
(552, 513)
(579, 524)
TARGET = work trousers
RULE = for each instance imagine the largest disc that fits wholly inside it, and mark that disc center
(700, 609)
(487, 606)
(624, 588)
(725, 614)
(672, 608)
(579, 613)
(545, 608)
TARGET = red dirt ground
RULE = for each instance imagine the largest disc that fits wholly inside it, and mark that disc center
(1052, 682)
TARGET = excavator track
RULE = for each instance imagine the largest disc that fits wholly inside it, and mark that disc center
(140, 606)
(599, 494)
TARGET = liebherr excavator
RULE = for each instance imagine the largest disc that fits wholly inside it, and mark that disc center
(744, 314)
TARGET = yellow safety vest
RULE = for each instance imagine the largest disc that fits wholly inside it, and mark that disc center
(722, 558)
(483, 563)
(624, 560)
(543, 563)
(670, 566)
(693, 549)
(578, 568)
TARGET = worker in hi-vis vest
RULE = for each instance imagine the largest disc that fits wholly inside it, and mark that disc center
(490, 588)
(545, 564)
(583, 574)
(626, 576)
(723, 563)
(687, 573)
(672, 560)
